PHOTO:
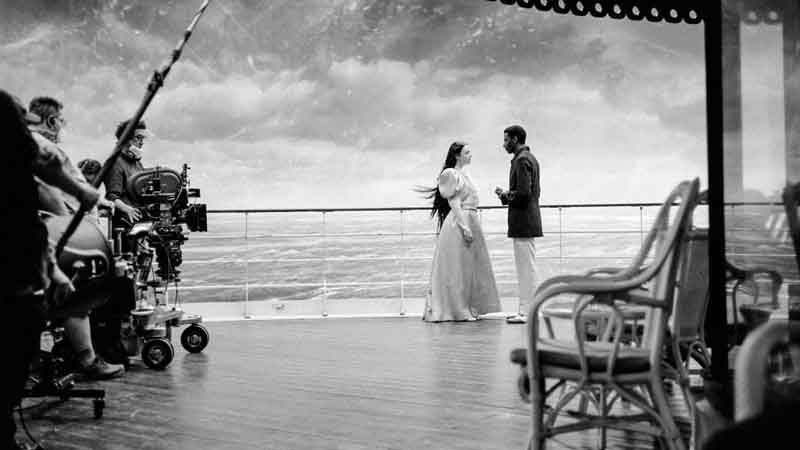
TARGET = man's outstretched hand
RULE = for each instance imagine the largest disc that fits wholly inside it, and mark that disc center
(130, 212)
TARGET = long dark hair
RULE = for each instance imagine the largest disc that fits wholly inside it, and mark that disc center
(441, 207)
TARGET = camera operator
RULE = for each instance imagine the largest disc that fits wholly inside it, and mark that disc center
(128, 164)
(109, 320)
(75, 316)
(30, 270)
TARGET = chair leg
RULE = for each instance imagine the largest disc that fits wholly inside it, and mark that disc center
(603, 412)
(686, 390)
(602, 438)
(537, 441)
(691, 408)
(671, 434)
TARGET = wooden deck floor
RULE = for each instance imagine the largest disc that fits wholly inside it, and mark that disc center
(345, 384)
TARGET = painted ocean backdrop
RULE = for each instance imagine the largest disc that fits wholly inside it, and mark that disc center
(387, 254)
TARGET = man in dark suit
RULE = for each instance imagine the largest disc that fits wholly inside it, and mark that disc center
(524, 218)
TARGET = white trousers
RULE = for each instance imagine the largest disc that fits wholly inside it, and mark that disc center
(527, 276)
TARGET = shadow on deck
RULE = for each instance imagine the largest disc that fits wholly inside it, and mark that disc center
(348, 384)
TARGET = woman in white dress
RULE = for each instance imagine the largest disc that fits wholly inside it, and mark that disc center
(462, 281)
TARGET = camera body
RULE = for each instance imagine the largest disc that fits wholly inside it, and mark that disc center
(162, 195)
(137, 275)
(151, 255)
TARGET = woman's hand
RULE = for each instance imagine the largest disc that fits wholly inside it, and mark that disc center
(467, 233)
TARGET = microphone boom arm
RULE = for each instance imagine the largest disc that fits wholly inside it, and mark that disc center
(156, 82)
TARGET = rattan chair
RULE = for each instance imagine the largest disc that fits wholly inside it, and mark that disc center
(608, 368)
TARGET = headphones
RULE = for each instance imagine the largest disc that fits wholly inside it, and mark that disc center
(52, 122)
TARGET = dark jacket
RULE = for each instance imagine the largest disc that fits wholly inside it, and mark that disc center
(116, 181)
(522, 198)
(117, 178)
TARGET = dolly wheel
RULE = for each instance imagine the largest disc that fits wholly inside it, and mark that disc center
(157, 353)
(195, 338)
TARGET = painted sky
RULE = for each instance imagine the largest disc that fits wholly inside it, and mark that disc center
(341, 103)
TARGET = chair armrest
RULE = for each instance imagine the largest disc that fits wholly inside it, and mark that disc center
(740, 273)
(744, 274)
(591, 290)
(605, 270)
(614, 272)
(601, 273)
(562, 279)
(643, 298)
(598, 286)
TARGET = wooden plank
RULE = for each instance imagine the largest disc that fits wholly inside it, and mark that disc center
(319, 384)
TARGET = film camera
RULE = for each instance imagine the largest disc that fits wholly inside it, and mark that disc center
(152, 251)
(162, 196)
(136, 265)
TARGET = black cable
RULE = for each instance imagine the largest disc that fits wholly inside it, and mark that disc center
(33, 406)
(177, 298)
(36, 444)
(174, 280)
(168, 260)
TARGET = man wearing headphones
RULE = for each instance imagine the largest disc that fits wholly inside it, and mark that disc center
(29, 265)
(47, 133)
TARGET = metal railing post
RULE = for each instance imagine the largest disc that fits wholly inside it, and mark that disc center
(246, 266)
(560, 241)
(729, 241)
(402, 264)
(325, 262)
(641, 225)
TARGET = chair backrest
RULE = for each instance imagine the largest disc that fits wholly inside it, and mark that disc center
(691, 298)
(668, 233)
(791, 199)
(658, 276)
